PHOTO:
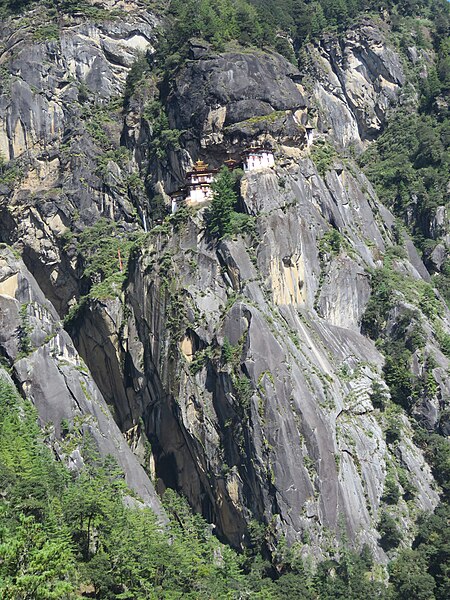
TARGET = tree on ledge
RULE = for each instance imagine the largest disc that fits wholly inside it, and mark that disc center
(219, 216)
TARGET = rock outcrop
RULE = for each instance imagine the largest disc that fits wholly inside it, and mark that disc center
(355, 81)
(50, 372)
(60, 112)
(280, 427)
(236, 370)
(223, 102)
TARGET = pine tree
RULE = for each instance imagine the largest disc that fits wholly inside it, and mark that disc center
(220, 214)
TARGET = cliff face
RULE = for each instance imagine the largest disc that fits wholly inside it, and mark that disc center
(50, 372)
(222, 103)
(355, 81)
(236, 370)
(49, 137)
(60, 127)
(282, 428)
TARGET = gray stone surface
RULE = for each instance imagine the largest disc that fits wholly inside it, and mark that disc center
(246, 85)
(54, 377)
(356, 80)
(283, 430)
(305, 445)
(44, 128)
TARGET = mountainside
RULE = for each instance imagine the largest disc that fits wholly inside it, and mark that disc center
(280, 357)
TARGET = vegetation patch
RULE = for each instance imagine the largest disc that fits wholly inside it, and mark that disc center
(46, 33)
(323, 154)
(164, 138)
(10, 172)
(105, 249)
(59, 531)
(24, 332)
(222, 219)
(390, 533)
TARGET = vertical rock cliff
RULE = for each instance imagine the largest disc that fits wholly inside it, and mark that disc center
(238, 370)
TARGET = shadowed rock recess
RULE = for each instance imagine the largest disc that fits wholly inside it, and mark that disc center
(234, 371)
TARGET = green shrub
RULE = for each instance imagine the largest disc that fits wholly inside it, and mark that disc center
(10, 173)
(163, 138)
(378, 396)
(380, 302)
(228, 352)
(391, 493)
(244, 391)
(408, 577)
(323, 155)
(46, 33)
(428, 303)
(392, 429)
(139, 69)
(409, 489)
(437, 453)
(199, 362)
(391, 535)
(331, 244)
(243, 224)
(24, 332)
(100, 246)
(121, 156)
(442, 281)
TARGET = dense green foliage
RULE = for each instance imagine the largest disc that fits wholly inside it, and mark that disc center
(104, 250)
(323, 154)
(83, 8)
(222, 219)
(410, 161)
(103, 246)
(423, 571)
(273, 22)
(216, 22)
(406, 336)
(60, 534)
(409, 165)
(219, 215)
(163, 138)
(249, 22)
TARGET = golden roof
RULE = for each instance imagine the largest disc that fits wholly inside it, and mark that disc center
(200, 165)
(201, 168)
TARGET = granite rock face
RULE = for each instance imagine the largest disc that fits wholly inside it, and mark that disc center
(54, 101)
(355, 79)
(244, 86)
(50, 372)
(236, 370)
(280, 427)
(223, 102)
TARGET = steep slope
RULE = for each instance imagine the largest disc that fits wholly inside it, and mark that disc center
(355, 81)
(235, 368)
(281, 426)
(47, 190)
(60, 128)
(49, 371)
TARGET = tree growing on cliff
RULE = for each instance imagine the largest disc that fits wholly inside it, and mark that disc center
(219, 216)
